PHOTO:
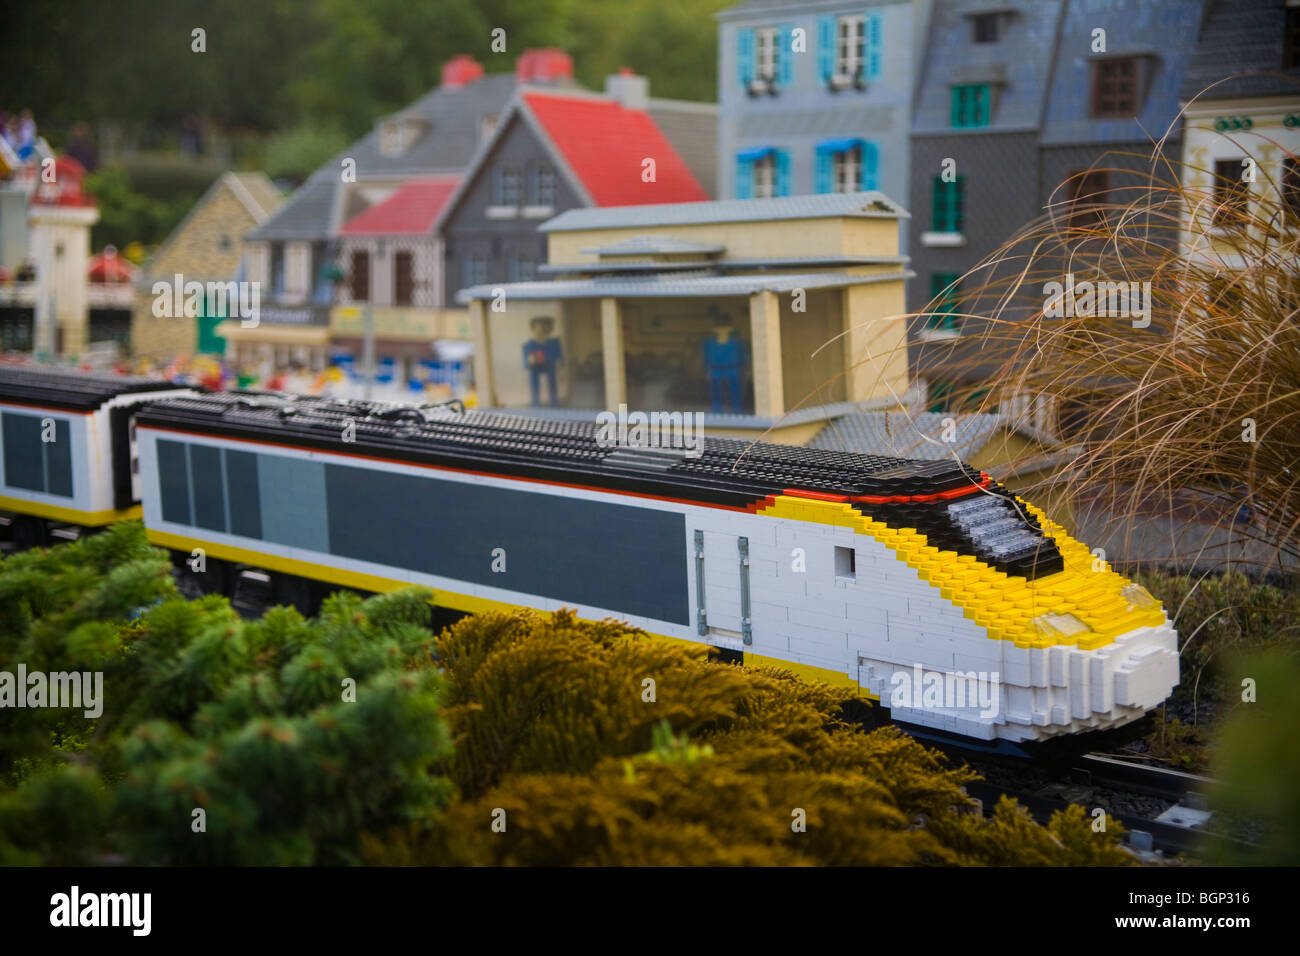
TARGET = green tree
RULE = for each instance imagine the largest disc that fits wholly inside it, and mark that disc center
(293, 737)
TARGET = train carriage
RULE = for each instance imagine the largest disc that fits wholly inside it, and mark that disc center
(67, 455)
(877, 573)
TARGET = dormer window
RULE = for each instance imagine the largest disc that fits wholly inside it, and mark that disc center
(984, 26)
(1115, 88)
(399, 134)
(390, 138)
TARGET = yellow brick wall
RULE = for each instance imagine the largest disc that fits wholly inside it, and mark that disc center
(193, 250)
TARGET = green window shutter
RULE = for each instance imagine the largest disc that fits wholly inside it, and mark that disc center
(948, 214)
(981, 105)
(943, 292)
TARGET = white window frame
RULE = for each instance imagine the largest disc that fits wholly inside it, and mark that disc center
(850, 45)
(766, 58)
(763, 177)
(846, 170)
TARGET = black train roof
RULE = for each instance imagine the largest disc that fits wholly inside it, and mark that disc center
(729, 471)
(69, 388)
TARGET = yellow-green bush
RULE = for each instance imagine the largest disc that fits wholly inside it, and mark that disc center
(556, 738)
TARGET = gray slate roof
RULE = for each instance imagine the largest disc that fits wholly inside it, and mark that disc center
(825, 206)
(1241, 36)
(903, 435)
(673, 285)
(306, 214)
(453, 115)
(749, 8)
(1161, 34)
(1023, 56)
(692, 128)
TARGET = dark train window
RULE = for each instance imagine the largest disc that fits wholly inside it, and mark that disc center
(209, 491)
(58, 461)
(33, 464)
(24, 460)
(242, 497)
(174, 481)
(562, 548)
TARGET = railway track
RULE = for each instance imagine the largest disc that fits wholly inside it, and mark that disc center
(1165, 811)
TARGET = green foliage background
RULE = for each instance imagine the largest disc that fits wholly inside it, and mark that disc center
(278, 64)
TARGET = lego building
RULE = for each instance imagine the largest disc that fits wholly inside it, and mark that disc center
(206, 246)
(562, 148)
(759, 314)
(822, 110)
(1250, 117)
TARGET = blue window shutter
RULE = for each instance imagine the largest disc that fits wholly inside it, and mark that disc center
(826, 47)
(498, 190)
(870, 166)
(822, 176)
(744, 179)
(745, 55)
(782, 172)
(785, 59)
(874, 41)
(534, 184)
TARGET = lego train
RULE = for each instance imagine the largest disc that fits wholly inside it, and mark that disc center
(925, 586)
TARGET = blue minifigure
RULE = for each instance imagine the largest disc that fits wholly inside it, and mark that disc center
(542, 353)
(725, 359)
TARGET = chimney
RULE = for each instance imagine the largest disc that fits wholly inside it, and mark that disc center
(629, 89)
(459, 70)
(545, 65)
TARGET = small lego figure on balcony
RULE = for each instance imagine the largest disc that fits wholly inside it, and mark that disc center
(724, 362)
(542, 353)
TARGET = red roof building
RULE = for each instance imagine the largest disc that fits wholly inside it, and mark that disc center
(411, 210)
(560, 149)
(605, 146)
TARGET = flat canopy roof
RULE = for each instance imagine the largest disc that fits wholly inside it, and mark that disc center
(675, 285)
(869, 205)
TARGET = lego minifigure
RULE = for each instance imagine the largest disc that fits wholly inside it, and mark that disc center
(542, 353)
(724, 361)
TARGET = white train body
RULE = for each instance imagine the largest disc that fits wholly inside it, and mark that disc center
(492, 512)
